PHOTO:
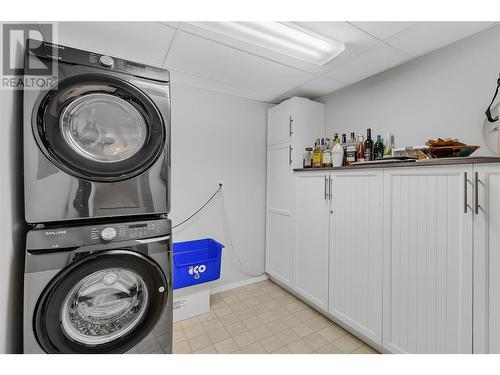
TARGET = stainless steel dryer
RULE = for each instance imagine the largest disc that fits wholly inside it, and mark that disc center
(99, 288)
(96, 142)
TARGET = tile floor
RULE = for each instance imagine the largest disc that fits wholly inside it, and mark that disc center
(262, 318)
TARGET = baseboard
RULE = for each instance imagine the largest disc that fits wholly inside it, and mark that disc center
(238, 284)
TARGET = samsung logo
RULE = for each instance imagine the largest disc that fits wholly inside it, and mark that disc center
(53, 45)
(55, 232)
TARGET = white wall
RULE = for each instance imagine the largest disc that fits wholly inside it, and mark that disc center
(217, 137)
(12, 222)
(443, 94)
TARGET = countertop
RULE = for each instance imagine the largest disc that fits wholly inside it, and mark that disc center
(412, 164)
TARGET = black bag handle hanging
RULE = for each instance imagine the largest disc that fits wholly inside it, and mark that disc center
(488, 110)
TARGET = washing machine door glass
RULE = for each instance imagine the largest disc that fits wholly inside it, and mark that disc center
(103, 127)
(104, 306)
(105, 302)
(99, 128)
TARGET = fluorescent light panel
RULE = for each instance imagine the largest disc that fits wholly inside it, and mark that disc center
(282, 37)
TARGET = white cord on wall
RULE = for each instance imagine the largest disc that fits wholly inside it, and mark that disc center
(233, 250)
(238, 262)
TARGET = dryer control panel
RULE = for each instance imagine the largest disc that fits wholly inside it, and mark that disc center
(48, 238)
(52, 51)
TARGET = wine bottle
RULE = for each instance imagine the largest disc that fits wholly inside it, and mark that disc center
(368, 145)
(378, 149)
(344, 146)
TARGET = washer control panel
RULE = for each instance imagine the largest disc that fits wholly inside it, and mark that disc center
(50, 239)
(129, 231)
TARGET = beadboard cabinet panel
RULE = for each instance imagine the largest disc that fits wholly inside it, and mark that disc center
(312, 209)
(356, 251)
(428, 260)
(487, 259)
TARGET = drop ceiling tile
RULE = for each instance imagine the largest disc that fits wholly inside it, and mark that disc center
(145, 42)
(316, 88)
(217, 86)
(375, 60)
(424, 37)
(383, 30)
(191, 54)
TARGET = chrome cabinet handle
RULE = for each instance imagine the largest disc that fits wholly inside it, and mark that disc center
(466, 204)
(476, 193)
(290, 126)
(290, 155)
(325, 193)
(330, 180)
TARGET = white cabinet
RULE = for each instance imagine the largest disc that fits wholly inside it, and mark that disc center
(279, 124)
(408, 257)
(486, 214)
(297, 122)
(291, 126)
(428, 260)
(279, 214)
(311, 213)
(356, 250)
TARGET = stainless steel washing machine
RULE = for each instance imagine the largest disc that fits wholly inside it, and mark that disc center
(99, 288)
(96, 139)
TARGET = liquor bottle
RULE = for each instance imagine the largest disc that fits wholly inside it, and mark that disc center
(317, 155)
(335, 137)
(378, 149)
(337, 153)
(351, 150)
(361, 148)
(327, 154)
(389, 145)
(344, 145)
(368, 145)
(308, 158)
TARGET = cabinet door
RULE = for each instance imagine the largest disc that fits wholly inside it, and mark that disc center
(311, 237)
(308, 123)
(428, 260)
(487, 258)
(356, 251)
(279, 124)
(279, 214)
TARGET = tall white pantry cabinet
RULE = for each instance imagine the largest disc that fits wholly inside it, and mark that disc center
(291, 126)
(406, 258)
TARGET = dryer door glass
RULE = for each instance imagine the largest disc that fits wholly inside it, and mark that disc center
(104, 306)
(103, 127)
(100, 128)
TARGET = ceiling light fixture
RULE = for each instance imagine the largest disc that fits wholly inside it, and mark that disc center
(282, 37)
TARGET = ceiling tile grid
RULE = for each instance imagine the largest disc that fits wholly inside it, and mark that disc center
(220, 63)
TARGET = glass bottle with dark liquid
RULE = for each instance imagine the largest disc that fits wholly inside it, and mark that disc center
(368, 145)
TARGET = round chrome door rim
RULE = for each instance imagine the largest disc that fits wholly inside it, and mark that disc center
(72, 110)
(76, 335)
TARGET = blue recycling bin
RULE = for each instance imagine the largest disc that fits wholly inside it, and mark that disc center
(196, 262)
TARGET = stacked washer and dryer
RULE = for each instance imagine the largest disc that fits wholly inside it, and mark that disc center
(97, 175)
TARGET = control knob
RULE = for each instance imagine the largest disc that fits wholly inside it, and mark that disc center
(108, 234)
(106, 61)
